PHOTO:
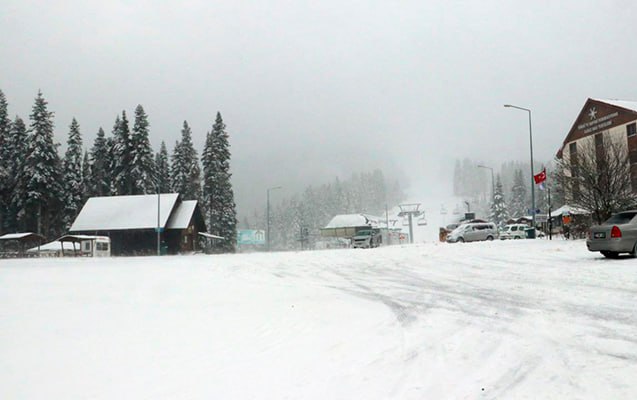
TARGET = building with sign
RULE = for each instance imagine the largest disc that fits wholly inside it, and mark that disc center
(601, 120)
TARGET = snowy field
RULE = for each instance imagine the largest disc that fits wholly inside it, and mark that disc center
(499, 320)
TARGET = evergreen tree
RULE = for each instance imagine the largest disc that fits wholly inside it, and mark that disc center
(142, 167)
(17, 147)
(218, 196)
(518, 204)
(163, 169)
(6, 160)
(110, 170)
(499, 213)
(72, 176)
(42, 171)
(177, 172)
(122, 152)
(186, 174)
(87, 185)
(100, 180)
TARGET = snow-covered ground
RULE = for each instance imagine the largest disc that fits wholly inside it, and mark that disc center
(505, 320)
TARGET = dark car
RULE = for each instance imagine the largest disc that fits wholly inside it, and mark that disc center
(615, 236)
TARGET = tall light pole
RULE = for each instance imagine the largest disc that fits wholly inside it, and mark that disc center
(158, 222)
(492, 181)
(532, 180)
(267, 218)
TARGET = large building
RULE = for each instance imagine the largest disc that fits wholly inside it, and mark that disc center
(132, 223)
(601, 120)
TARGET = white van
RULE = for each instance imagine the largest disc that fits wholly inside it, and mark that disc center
(472, 232)
(514, 231)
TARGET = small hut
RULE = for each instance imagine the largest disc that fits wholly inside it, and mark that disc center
(16, 244)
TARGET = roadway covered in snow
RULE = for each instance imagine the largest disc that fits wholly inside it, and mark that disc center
(515, 319)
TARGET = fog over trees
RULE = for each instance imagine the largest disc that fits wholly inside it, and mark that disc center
(473, 184)
(43, 193)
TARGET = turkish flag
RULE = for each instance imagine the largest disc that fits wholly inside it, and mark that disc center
(541, 177)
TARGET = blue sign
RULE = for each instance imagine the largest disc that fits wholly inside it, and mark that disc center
(250, 236)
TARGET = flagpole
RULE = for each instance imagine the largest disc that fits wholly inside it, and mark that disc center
(550, 220)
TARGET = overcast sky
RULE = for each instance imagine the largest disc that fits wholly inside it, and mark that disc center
(312, 90)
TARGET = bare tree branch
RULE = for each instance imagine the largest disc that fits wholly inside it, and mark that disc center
(596, 177)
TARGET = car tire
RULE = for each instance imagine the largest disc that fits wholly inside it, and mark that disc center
(634, 253)
(460, 240)
(489, 238)
(610, 254)
(516, 238)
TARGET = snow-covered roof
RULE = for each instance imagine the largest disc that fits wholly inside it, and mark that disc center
(182, 215)
(630, 105)
(13, 236)
(353, 220)
(566, 209)
(54, 246)
(124, 212)
(79, 238)
(210, 236)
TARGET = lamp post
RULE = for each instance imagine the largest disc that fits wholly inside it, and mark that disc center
(531, 148)
(267, 218)
(492, 181)
(158, 220)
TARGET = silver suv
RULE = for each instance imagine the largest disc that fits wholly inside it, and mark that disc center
(473, 232)
(367, 239)
(514, 231)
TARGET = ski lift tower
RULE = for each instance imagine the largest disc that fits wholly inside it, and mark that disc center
(410, 210)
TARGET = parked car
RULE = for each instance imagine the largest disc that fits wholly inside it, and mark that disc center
(473, 232)
(514, 231)
(367, 239)
(615, 236)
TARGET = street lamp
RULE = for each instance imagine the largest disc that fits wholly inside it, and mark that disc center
(158, 221)
(267, 236)
(492, 181)
(531, 148)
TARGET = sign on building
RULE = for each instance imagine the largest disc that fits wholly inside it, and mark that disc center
(250, 236)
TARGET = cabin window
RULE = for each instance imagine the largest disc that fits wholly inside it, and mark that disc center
(631, 129)
(185, 239)
(102, 246)
(572, 147)
(87, 246)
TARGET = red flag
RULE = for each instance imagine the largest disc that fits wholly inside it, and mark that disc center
(541, 177)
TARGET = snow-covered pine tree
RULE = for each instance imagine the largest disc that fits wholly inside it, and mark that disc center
(499, 213)
(518, 204)
(42, 171)
(18, 140)
(72, 176)
(177, 172)
(143, 173)
(186, 174)
(163, 169)
(110, 170)
(122, 157)
(87, 183)
(6, 160)
(218, 196)
(100, 181)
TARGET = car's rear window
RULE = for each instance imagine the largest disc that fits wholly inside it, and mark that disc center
(621, 218)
